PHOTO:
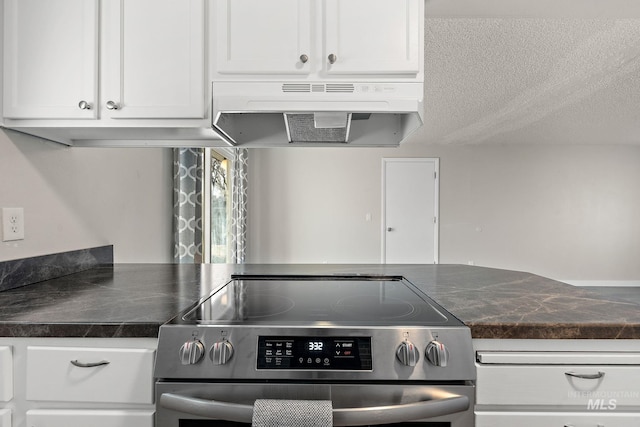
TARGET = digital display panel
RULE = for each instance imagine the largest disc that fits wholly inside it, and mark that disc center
(314, 353)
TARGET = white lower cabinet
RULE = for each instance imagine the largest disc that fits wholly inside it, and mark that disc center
(6, 384)
(5, 418)
(6, 374)
(564, 384)
(81, 374)
(73, 382)
(560, 419)
(559, 378)
(93, 418)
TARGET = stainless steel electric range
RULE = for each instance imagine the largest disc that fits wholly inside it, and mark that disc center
(380, 349)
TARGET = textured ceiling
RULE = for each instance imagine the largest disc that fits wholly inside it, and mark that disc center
(532, 72)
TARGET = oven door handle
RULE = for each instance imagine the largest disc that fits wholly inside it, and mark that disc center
(450, 404)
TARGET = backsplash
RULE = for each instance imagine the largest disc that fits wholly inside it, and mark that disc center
(26, 271)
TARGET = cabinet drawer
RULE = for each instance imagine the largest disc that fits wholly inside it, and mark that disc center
(5, 418)
(556, 419)
(126, 376)
(6, 374)
(83, 418)
(585, 380)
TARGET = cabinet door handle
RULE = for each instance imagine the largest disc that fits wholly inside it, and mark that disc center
(332, 58)
(90, 364)
(84, 105)
(111, 105)
(304, 58)
(585, 376)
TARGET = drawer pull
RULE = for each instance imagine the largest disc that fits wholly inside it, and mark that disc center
(89, 365)
(585, 376)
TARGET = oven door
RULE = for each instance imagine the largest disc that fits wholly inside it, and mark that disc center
(231, 404)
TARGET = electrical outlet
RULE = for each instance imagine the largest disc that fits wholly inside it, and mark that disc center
(12, 224)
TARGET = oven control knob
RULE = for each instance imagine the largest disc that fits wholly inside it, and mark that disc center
(191, 352)
(221, 352)
(437, 354)
(407, 353)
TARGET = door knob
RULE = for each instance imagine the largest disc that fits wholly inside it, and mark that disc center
(332, 58)
(304, 58)
(389, 228)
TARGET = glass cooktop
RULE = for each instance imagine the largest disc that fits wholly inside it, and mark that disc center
(319, 300)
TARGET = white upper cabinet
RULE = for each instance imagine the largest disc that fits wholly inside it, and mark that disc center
(372, 36)
(318, 39)
(151, 56)
(50, 59)
(153, 59)
(264, 37)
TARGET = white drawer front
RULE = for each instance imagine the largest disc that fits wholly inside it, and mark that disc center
(556, 419)
(550, 385)
(5, 418)
(127, 378)
(6, 374)
(84, 418)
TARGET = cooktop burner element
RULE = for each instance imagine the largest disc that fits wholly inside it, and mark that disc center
(308, 300)
(359, 306)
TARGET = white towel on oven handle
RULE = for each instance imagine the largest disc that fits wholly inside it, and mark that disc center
(292, 413)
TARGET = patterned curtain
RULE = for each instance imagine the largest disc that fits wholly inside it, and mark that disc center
(187, 204)
(238, 232)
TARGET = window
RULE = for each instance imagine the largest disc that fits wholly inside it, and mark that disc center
(219, 203)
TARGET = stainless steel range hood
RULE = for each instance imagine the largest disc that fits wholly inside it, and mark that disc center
(264, 114)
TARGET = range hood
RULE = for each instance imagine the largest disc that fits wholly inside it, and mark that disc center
(366, 114)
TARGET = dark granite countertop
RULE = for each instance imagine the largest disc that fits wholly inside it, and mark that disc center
(133, 300)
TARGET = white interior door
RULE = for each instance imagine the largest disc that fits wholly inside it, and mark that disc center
(410, 211)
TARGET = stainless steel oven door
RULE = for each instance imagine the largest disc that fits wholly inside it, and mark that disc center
(213, 404)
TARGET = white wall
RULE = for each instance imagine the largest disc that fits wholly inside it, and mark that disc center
(568, 212)
(76, 198)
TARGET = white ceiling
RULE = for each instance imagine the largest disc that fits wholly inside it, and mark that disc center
(532, 71)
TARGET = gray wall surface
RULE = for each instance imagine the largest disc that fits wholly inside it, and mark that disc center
(76, 198)
(569, 212)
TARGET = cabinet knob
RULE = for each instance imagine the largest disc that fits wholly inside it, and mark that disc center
(84, 105)
(304, 58)
(332, 58)
(112, 105)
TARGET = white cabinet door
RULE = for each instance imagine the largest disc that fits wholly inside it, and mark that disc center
(558, 378)
(5, 418)
(93, 418)
(153, 59)
(559, 419)
(78, 374)
(263, 37)
(365, 37)
(372, 36)
(50, 58)
(6, 374)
